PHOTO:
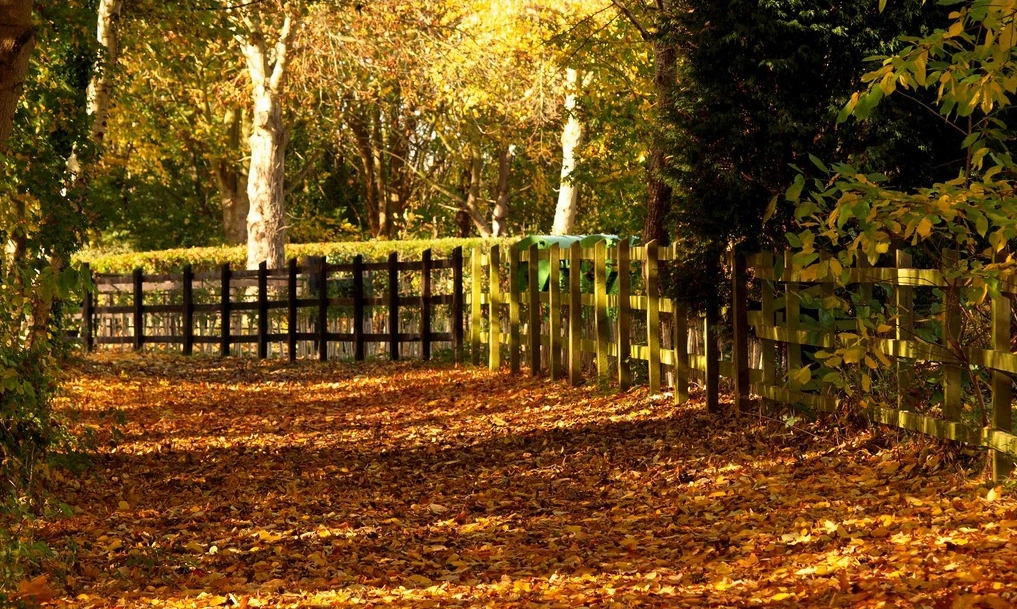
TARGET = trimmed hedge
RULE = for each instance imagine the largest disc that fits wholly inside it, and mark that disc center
(210, 258)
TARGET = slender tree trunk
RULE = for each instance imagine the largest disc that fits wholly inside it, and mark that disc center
(658, 196)
(366, 153)
(472, 203)
(266, 188)
(100, 87)
(571, 140)
(17, 39)
(499, 220)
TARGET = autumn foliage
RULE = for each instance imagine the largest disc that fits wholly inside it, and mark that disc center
(245, 483)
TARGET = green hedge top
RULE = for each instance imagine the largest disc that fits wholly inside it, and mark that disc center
(210, 258)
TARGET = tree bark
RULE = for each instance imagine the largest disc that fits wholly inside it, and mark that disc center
(17, 39)
(266, 188)
(100, 87)
(499, 217)
(571, 140)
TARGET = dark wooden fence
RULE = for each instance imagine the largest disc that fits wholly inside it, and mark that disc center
(313, 304)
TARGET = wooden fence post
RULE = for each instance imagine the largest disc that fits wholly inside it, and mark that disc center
(769, 346)
(88, 311)
(554, 311)
(358, 308)
(653, 316)
(188, 310)
(575, 315)
(905, 329)
(291, 311)
(224, 310)
(457, 304)
(513, 307)
(322, 309)
(393, 306)
(139, 310)
(740, 317)
(476, 310)
(494, 316)
(425, 305)
(623, 268)
(1002, 465)
(533, 309)
(262, 310)
(952, 373)
(600, 310)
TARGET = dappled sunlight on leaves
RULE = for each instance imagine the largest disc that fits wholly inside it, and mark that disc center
(247, 484)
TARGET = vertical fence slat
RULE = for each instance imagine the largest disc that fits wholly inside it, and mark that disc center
(476, 312)
(513, 306)
(793, 309)
(554, 311)
(494, 314)
(622, 266)
(188, 297)
(712, 352)
(653, 315)
(740, 318)
(905, 327)
(425, 305)
(139, 310)
(1002, 396)
(358, 308)
(600, 311)
(322, 309)
(291, 311)
(457, 303)
(263, 310)
(768, 296)
(681, 353)
(575, 315)
(533, 310)
(224, 310)
(87, 311)
(393, 306)
(952, 373)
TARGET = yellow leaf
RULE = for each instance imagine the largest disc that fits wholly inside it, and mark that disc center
(124, 506)
(993, 494)
(924, 228)
(780, 596)
(419, 580)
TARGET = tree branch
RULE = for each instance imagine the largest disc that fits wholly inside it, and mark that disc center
(645, 33)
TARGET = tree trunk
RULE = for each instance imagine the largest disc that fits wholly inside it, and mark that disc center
(471, 205)
(17, 39)
(501, 199)
(658, 196)
(100, 87)
(266, 188)
(571, 139)
(231, 179)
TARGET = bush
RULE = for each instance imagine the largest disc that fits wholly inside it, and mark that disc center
(210, 258)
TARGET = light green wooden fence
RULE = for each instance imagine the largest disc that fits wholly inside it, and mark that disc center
(577, 328)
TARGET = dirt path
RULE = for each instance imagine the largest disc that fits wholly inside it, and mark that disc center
(251, 484)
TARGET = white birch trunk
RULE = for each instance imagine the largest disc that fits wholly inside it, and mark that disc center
(17, 39)
(266, 227)
(100, 87)
(571, 139)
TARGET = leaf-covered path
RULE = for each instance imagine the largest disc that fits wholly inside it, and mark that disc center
(242, 483)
